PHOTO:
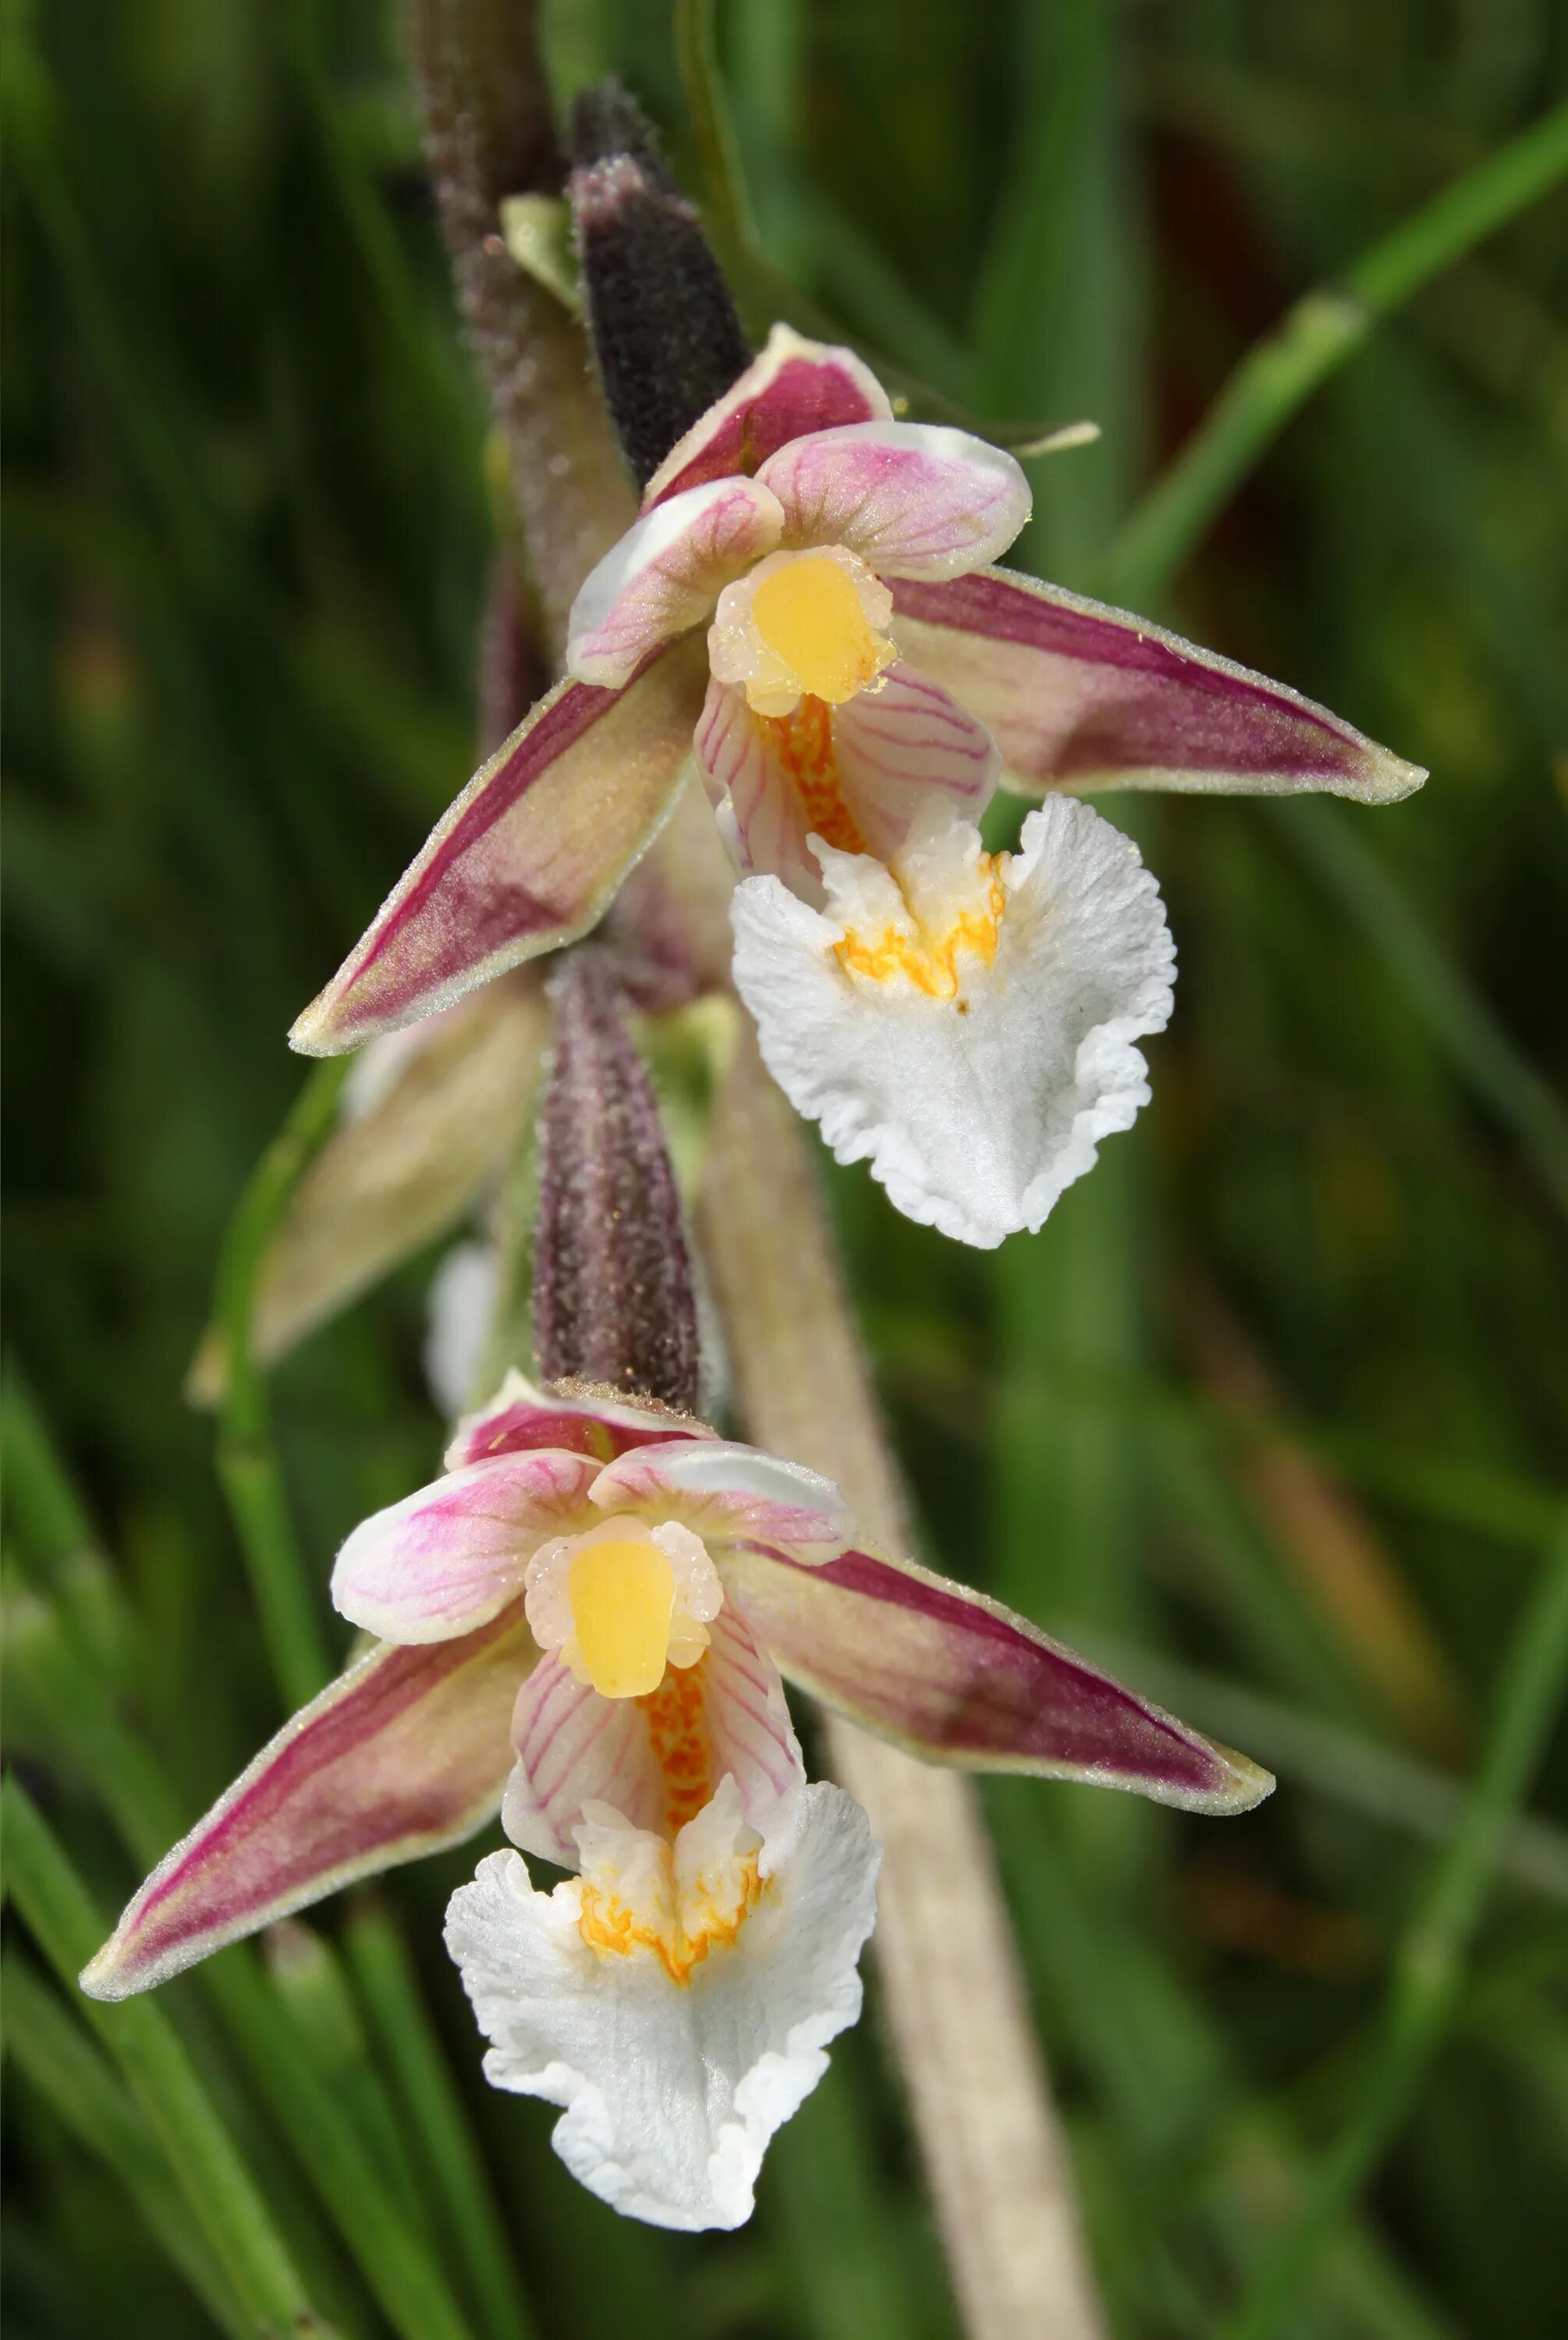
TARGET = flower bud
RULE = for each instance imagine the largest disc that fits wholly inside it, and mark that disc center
(665, 333)
(613, 1301)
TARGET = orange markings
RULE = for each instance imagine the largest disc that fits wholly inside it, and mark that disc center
(677, 1718)
(718, 1906)
(931, 961)
(803, 743)
(609, 1927)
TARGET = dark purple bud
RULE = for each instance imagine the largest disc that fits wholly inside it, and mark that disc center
(664, 329)
(612, 1293)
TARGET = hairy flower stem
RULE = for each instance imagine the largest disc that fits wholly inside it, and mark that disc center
(982, 2107)
(488, 134)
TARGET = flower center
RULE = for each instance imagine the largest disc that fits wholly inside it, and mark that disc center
(623, 1599)
(803, 743)
(811, 617)
(802, 625)
(622, 1603)
(926, 950)
(678, 1902)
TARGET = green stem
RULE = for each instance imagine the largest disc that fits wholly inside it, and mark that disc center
(463, 2202)
(1429, 1966)
(1316, 336)
(38, 1494)
(59, 1912)
(697, 52)
(284, 1596)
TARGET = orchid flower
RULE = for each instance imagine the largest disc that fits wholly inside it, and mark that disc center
(807, 605)
(588, 1614)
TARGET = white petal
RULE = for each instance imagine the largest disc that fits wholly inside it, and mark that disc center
(665, 574)
(976, 1109)
(728, 1493)
(575, 1748)
(673, 2089)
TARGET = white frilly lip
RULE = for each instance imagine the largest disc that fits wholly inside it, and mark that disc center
(975, 1110)
(671, 2089)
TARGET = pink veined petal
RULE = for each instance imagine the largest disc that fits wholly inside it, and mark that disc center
(572, 1414)
(728, 1493)
(794, 387)
(1081, 696)
(666, 573)
(912, 498)
(773, 782)
(958, 1678)
(528, 856)
(898, 743)
(760, 810)
(449, 1556)
(405, 1752)
(575, 1748)
(756, 804)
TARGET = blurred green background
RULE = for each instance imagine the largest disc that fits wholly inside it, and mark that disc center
(1271, 1414)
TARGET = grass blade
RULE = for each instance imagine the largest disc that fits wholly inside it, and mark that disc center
(1429, 1967)
(59, 1913)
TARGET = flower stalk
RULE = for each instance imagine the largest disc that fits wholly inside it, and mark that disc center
(979, 2096)
(601, 1586)
(992, 2143)
(488, 135)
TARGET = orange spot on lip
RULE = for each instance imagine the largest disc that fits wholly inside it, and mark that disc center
(803, 743)
(930, 960)
(609, 1927)
(680, 1933)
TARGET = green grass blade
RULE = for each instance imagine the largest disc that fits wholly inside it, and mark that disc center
(1460, 1023)
(59, 1913)
(440, 2134)
(286, 1601)
(56, 2057)
(1318, 335)
(1429, 1966)
(308, 2104)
